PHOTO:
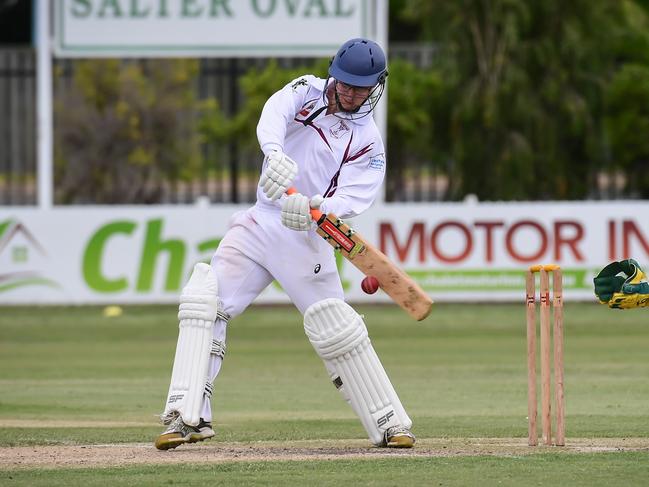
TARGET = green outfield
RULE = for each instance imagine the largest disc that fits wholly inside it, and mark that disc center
(75, 383)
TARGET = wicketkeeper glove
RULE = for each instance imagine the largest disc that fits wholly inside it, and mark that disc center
(622, 285)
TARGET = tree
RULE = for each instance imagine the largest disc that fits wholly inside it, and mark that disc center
(627, 123)
(528, 82)
(626, 103)
(125, 129)
(415, 99)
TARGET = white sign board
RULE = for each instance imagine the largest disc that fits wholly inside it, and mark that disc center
(204, 28)
(457, 252)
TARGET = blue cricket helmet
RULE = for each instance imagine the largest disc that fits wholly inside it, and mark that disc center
(359, 62)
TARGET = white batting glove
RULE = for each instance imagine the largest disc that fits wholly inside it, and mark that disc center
(296, 213)
(278, 176)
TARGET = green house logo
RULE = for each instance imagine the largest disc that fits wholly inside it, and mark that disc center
(22, 258)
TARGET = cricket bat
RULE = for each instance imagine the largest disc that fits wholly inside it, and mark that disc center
(403, 290)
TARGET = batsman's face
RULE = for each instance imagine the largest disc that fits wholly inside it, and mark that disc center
(351, 97)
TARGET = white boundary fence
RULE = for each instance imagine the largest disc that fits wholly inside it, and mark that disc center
(457, 252)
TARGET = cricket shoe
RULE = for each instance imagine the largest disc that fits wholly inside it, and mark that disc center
(178, 433)
(398, 437)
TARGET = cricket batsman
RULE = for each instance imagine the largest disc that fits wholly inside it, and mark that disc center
(318, 136)
(622, 285)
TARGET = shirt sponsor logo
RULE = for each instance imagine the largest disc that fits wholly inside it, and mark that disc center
(307, 109)
(339, 129)
(377, 162)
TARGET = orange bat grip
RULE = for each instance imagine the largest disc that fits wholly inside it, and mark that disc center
(315, 213)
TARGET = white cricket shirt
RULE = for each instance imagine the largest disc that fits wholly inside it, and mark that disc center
(339, 158)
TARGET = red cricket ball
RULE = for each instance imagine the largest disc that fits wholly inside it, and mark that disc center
(370, 284)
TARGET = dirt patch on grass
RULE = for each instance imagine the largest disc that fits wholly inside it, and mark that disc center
(80, 456)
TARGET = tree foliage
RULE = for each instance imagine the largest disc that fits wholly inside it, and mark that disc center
(416, 99)
(529, 82)
(123, 129)
(627, 123)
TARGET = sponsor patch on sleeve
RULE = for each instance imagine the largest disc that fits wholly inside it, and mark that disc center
(377, 162)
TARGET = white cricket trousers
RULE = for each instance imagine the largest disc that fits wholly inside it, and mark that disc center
(257, 249)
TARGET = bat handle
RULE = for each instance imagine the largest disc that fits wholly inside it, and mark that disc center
(315, 213)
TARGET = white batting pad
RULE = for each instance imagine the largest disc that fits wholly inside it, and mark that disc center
(197, 312)
(340, 338)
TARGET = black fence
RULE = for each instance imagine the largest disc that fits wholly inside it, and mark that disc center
(228, 173)
(17, 127)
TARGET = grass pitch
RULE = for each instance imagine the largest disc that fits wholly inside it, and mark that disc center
(72, 378)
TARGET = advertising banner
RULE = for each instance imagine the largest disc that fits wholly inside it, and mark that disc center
(457, 252)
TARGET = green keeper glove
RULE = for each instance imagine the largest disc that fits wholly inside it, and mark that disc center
(622, 285)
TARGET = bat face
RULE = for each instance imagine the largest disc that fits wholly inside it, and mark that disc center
(372, 262)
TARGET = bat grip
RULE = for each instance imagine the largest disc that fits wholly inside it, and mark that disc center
(315, 213)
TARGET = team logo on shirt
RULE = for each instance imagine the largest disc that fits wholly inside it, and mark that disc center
(339, 129)
(377, 162)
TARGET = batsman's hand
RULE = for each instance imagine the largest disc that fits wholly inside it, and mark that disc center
(278, 175)
(296, 211)
(622, 285)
